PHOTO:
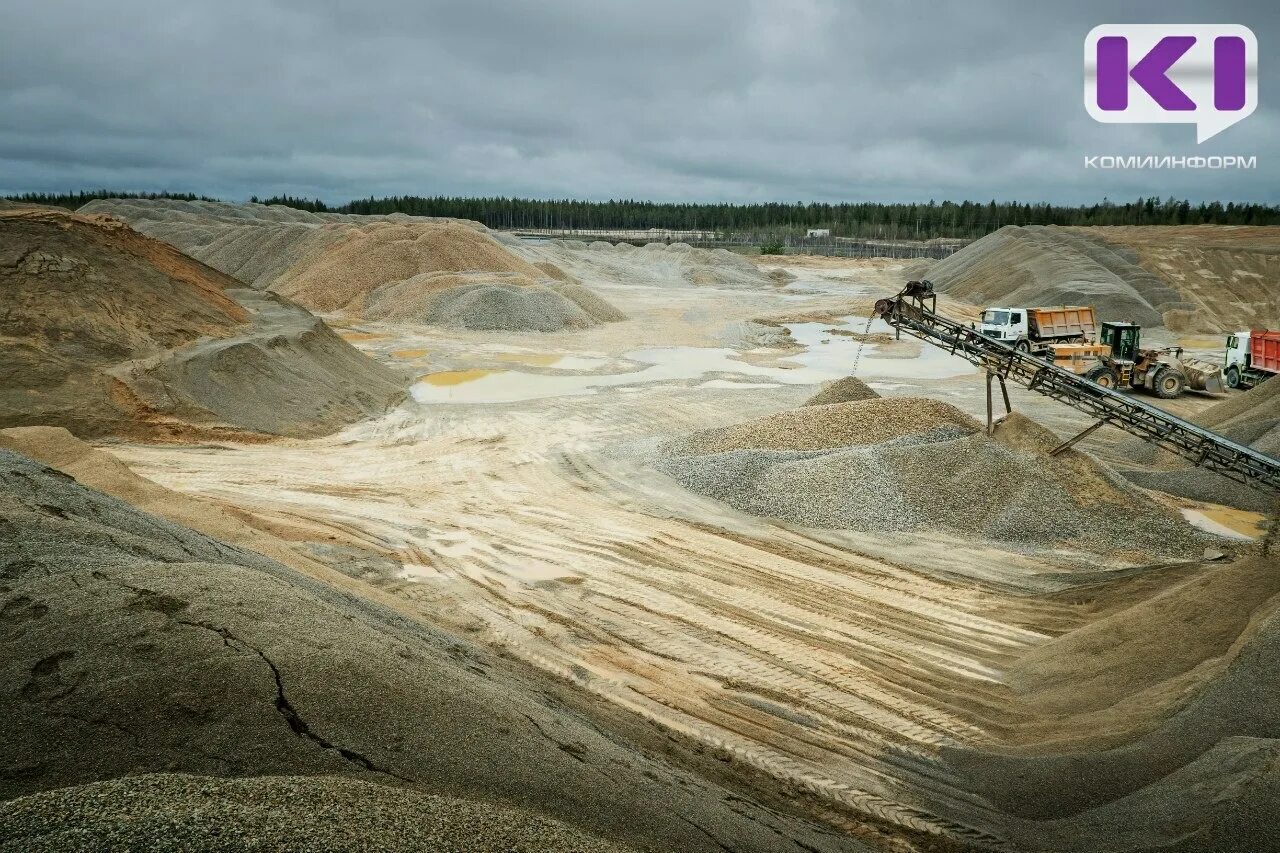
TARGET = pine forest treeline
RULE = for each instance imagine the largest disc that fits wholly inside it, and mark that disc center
(870, 220)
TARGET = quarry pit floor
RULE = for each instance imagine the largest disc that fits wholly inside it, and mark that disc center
(504, 502)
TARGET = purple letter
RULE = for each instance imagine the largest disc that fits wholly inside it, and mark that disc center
(1150, 72)
(1228, 73)
(1113, 73)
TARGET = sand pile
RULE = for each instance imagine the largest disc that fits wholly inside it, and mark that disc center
(110, 332)
(1043, 265)
(846, 390)
(129, 645)
(489, 301)
(368, 257)
(652, 265)
(168, 812)
(397, 268)
(1251, 418)
(1154, 728)
(904, 464)
(1228, 272)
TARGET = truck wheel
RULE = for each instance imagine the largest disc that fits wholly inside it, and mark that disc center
(1023, 345)
(1168, 383)
(1104, 376)
(1233, 377)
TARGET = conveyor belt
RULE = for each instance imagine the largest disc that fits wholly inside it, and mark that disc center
(907, 313)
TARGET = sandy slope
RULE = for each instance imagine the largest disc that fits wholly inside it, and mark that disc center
(107, 331)
(132, 645)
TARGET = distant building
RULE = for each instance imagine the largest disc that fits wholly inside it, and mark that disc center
(818, 232)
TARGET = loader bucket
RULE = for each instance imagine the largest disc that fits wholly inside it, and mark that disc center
(1203, 376)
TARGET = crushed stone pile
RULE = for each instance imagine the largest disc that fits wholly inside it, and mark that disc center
(488, 301)
(1034, 265)
(651, 265)
(398, 268)
(1251, 418)
(846, 390)
(109, 332)
(133, 645)
(178, 812)
(1153, 728)
(905, 464)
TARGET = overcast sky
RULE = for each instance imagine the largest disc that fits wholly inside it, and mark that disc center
(742, 100)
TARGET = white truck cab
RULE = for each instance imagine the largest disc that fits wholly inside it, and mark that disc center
(1237, 351)
(1004, 324)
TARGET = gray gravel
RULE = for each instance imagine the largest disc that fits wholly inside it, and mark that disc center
(172, 812)
(846, 390)
(895, 465)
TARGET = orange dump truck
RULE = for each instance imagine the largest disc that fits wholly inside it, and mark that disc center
(1252, 357)
(1037, 330)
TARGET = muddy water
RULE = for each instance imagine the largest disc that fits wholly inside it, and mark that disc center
(826, 355)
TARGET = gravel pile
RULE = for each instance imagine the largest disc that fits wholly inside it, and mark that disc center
(826, 427)
(489, 301)
(1251, 418)
(906, 464)
(174, 812)
(847, 390)
(652, 265)
(1043, 265)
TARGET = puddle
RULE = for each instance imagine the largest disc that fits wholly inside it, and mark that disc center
(1227, 522)
(409, 353)
(445, 378)
(826, 357)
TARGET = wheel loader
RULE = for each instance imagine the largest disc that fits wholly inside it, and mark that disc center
(1163, 372)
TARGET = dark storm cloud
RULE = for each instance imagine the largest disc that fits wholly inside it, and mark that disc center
(672, 100)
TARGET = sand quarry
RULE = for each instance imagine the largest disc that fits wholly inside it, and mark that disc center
(618, 556)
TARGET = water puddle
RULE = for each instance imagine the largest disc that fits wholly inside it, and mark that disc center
(409, 353)
(447, 378)
(826, 356)
(1227, 522)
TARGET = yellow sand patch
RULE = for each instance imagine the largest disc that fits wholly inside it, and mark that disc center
(454, 377)
(1242, 521)
(409, 353)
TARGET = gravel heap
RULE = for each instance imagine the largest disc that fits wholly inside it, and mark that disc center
(1154, 728)
(826, 427)
(1251, 418)
(906, 464)
(1043, 265)
(652, 265)
(489, 301)
(175, 812)
(844, 390)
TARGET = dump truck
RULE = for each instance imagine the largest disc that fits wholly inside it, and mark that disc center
(1164, 372)
(1037, 330)
(1251, 357)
